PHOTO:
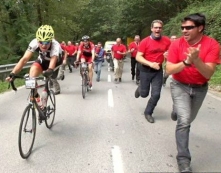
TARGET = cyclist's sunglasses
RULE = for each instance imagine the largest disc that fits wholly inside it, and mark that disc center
(187, 27)
(44, 42)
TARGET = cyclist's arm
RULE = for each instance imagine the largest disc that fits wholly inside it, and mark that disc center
(65, 55)
(78, 55)
(53, 61)
(93, 54)
(26, 57)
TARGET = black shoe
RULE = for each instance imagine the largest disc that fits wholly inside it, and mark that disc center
(185, 167)
(137, 92)
(149, 118)
(174, 116)
(42, 114)
(119, 79)
(115, 80)
(70, 71)
(132, 77)
(57, 92)
(98, 80)
(62, 78)
(137, 82)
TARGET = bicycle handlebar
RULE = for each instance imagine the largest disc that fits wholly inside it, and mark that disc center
(11, 83)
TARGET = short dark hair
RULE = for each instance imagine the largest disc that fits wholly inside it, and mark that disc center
(197, 18)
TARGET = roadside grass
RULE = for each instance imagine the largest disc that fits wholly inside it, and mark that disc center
(215, 81)
(4, 85)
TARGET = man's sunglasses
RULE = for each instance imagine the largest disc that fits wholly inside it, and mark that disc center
(44, 42)
(187, 27)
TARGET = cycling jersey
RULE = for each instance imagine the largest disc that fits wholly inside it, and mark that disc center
(44, 57)
(86, 51)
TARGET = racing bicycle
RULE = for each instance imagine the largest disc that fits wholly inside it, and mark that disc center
(27, 128)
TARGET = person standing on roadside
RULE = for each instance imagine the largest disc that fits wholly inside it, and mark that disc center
(192, 60)
(118, 51)
(98, 60)
(61, 75)
(133, 47)
(71, 58)
(165, 75)
(150, 56)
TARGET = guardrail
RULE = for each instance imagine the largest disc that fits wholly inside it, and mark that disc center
(8, 67)
(4, 69)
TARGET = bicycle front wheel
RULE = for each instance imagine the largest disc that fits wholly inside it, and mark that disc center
(50, 109)
(27, 131)
(84, 85)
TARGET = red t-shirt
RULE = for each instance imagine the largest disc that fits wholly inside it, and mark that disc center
(70, 49)
(115, 48)
(63, 46)
(209, 53)
(134, 45)
(86, 52)
(153, 50)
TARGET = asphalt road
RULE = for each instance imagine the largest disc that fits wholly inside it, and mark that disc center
(107, 131)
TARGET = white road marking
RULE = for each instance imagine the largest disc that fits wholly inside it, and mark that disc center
(110, 98)
(109, 78)
(117, 159)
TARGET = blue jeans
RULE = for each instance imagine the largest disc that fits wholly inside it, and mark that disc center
(186, 104)
(97, 68)
(155, 80)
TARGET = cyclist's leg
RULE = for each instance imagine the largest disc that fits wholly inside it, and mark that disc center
(55, 82)
(35, 70)
(90, 67)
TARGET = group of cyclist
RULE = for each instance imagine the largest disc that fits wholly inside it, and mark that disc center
(52, 55)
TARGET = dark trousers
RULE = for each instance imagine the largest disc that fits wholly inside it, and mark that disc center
(153, 79)
(70, 61)
(134, 67)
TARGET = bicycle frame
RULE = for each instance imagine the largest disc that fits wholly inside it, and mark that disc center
(33, 91)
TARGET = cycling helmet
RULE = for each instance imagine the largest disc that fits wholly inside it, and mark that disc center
(85, 38)
(45, 33)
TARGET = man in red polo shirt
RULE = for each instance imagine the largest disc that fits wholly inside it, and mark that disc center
(118, 52)
(133, 47)
(150, 55)
(192, 60)
(71, 58)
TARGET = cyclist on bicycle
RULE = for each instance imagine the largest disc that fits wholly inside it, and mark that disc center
(86, 53)
(49, 56)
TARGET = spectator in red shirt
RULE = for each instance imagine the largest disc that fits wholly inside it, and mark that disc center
(133, 47)
(62, 67)
(70, 51)
(192, 60)
(165, 75)
(150, 55)
(118, 52)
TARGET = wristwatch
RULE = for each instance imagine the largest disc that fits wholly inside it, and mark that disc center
(186, 64)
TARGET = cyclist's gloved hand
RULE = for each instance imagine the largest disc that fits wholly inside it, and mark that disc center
(76, 64)
(48, 72)
(10, 77)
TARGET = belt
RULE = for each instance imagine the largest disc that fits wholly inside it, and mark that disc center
(149, 69)
(195, 85)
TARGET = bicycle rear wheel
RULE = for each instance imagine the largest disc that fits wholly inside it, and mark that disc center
(84, 85)
(50, 109)
(27, 131)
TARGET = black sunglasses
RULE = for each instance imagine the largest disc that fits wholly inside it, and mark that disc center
(187, 27)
